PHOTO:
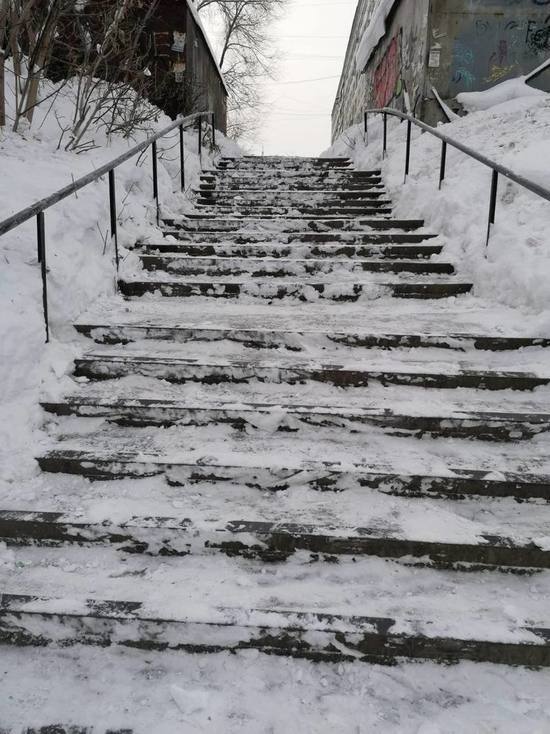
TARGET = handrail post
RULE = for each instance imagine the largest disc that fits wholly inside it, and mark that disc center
(213, 130)
(443, 163)
(155, 178)
(112, 209)
(385, 147)
(182, 159)
(408, 150)
(366, 123)
(41, 242)
(200, 140)
(492, 204)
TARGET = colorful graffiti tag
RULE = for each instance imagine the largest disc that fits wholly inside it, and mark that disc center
(388, 74)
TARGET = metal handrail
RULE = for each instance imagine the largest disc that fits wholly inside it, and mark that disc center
(38, 208)
(497, 168)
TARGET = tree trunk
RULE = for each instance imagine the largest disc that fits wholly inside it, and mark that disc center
(2, 90)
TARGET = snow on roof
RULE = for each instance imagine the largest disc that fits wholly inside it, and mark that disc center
(198, 21)
(375, 30)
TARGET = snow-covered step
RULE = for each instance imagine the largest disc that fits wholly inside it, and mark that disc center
(294, 341)
(263, 473)
(295, 250)
(176, 369)
(294, 187)
(298, 184)
(288, 225)
(301, 290)
(260, 164)
(284, 267)
(268, 541)
(208, 604)
(460, 422)
(293, 210)
(469, 326)
(216, 194)
(389, 244)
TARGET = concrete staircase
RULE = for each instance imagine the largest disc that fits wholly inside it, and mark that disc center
(304, 436)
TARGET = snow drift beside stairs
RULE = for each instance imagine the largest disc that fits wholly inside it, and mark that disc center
(80, 254)
(515, 269)
(500, 93)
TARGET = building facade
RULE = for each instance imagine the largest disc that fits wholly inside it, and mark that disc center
(451, 46)
(186, 75)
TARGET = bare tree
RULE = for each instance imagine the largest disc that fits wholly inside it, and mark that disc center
(3, 39)
(29, 28)
(246, 54)
(110, 77)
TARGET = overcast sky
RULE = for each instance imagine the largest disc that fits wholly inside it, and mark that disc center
(312, 38)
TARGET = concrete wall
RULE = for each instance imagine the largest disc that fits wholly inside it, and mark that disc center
(351, 95)
(453, 45)
(397, 67)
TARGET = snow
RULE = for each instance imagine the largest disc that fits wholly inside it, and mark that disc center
(375, 30)
(503, 92)
(514, 269)
(497, 95)
(80, 254)
(269, 695)
(246, 691)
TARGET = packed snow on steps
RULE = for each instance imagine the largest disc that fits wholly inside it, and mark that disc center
(514, 269)
(247, 693)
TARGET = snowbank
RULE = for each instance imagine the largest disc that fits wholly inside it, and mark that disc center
(80, 255)
(515, 269)
(497, 95)
(503, 92)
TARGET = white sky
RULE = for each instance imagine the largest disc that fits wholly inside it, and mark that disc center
(311, 38)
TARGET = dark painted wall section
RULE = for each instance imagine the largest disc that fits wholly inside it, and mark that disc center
(186, 78)
(476, 44)
(207, 88)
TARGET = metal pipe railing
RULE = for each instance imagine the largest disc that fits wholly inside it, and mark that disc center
(39, 207)
(497, 168)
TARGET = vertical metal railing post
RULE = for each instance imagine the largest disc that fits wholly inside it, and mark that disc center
(200, 140)
(385, 144)
(112, 210)
(492, 204)
(41, 244)
(155, 178)
(366, 122)
(408, 150)
(443, 164)
(182, 159)
(213, 130)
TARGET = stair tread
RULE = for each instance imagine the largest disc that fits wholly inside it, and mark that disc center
(280, 399)
(350, 279)
(431, 535)
(421, 362)
(469, 316)
(215, 590)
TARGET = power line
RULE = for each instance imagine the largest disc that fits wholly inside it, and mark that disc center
(304, 81)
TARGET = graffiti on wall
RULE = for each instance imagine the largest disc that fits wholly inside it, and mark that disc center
(495, 48)
(387, 75)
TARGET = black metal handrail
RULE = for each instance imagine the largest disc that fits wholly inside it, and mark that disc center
(38, 208)
(497, 168)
